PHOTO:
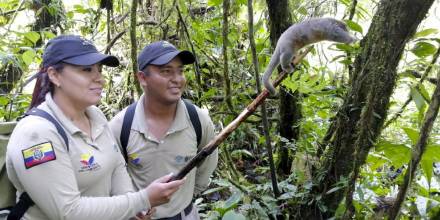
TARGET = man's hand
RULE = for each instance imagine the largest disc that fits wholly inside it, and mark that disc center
(160, 192)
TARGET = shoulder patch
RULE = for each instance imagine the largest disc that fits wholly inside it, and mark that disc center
(38, 154)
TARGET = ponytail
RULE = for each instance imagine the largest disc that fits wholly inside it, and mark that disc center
(43, 85)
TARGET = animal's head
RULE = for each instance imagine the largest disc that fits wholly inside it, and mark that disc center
(338, 32)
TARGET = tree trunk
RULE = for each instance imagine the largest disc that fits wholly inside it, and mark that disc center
(359, 121)
(290, 109)
(225, 31)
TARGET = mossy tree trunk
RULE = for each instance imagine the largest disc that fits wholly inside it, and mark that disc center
(359, 121)
(290, 108)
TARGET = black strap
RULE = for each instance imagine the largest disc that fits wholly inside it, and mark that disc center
(126, 128)
(128, 121)
(44, 114)
(21, 207)
(25, 201)
(194, 117)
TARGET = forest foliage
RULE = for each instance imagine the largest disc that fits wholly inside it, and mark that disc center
(223, 80)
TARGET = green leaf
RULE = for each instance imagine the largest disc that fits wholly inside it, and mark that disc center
(241, 2)
(232, 201)
(398, 154)
(302, 10)
(412, 134)
(214, 2)
(28, 56)
(354, 26)
(32, 36)
(232, 215)
(418, 99)
(49, 34)
(426, 32)
(80, 9)
(421, 88)
(211, 190)
(344, 47)
(423, 49)
(4, 100)
(334, 189)
(375, 160)
(431, 155)
(241, 152)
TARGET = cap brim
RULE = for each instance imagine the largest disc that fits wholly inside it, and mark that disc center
(92, 58)
(185, 56)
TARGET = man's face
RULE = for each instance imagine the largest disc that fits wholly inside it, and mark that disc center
(164, 83)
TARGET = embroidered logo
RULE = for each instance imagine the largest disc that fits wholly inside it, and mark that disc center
(38, 154)
(180, 160)
(134, 159)
(88, 163)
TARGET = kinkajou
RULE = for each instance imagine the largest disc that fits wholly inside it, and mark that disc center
(299, 35)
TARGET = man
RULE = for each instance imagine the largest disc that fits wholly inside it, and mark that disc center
(163, 136)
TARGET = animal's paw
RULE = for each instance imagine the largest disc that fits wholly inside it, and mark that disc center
(288, 69)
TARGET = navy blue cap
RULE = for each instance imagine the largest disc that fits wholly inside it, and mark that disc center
(161, 53)
(75, 50)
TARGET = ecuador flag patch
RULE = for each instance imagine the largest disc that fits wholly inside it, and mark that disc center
(38, 154)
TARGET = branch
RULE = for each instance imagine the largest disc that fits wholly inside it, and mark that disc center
(7, 13)
(13, 17)
(418, 75)
(418, 150)
(120, 34)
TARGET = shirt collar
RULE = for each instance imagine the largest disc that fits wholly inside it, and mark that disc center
(180, 121)
(97, 120)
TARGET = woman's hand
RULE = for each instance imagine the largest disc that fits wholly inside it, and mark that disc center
(160, 192)
(145, 215)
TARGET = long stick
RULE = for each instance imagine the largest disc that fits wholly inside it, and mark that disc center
(217, 140)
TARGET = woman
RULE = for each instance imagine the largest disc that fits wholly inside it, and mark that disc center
(86, 177)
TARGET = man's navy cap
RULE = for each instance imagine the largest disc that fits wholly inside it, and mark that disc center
(161, 53)
(75, 50)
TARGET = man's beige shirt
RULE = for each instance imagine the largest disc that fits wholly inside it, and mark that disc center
(150, 158)
(76, 184)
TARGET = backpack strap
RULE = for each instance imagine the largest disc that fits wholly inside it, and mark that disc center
(195, 121)
(23, 204)
(25, 201)
(44, 114)
(126, 128)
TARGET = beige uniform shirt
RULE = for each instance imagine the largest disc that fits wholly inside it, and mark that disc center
(150, 158)
(74, 184)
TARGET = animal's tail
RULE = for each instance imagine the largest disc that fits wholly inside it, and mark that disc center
(273, 63)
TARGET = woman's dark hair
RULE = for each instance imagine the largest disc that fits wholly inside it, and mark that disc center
(43, 85)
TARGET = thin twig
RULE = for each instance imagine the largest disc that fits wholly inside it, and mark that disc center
(196, 63)
(265, 122)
